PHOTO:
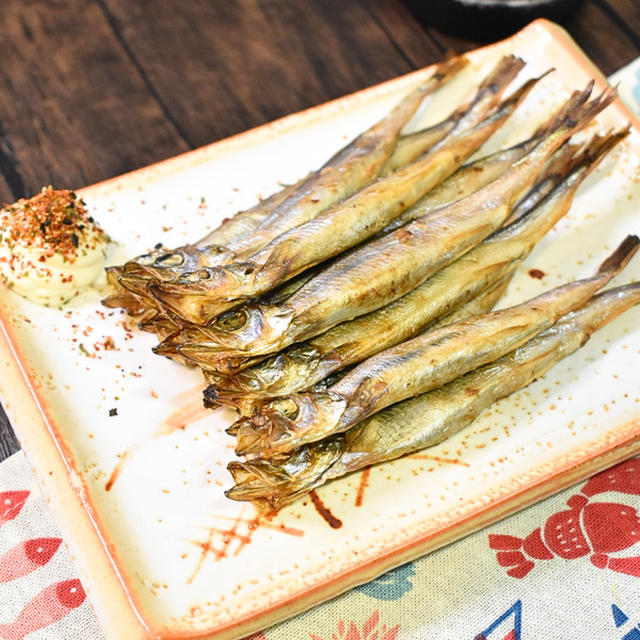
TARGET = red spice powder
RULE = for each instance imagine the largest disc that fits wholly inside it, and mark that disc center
(55, 221)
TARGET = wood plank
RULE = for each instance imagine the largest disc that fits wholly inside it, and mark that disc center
(626, 14)
(405, 31)
(73, 107)
(8, 441)
(222, 67)
(603, 41)
(592, 26)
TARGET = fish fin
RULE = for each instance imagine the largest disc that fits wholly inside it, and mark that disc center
(365, 396)
(597, 148)
(583, 115)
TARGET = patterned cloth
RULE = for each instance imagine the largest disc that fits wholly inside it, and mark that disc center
(568, 567)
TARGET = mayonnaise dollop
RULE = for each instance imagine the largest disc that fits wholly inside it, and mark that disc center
(50, 247)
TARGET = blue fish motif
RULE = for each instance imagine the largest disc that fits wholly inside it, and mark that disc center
(390, 586)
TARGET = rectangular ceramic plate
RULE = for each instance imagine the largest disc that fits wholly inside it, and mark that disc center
(139, 496)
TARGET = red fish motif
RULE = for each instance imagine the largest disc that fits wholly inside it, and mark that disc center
(585, 528)
(49, 606)
(27, 557)
(11, 502)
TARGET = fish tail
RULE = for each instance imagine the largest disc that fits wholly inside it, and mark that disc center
(620, 257)
(602, 309)
(575, 100)
(585, 113)
(596, 149)
(566, 170)
(500, 76)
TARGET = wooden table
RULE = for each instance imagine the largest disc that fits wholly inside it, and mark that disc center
(91, 89)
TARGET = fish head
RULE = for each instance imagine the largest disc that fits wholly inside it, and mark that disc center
(201, 295)
(121, 297)
(284, 424)
(240, 332)
(163, 266)
(179, 336)
(274, 375)
(279, 481)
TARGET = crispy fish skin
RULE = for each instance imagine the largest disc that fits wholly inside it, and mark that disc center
(249, 404)
(412, 146)
(358, 163)
(464, 182)
(306, 363)
(389, 267)
(205, 294)
(428, 419)
(418, 365)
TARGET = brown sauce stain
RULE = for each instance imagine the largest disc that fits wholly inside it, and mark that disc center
(420, 456)
(266, 523)
(536, 274)
(362, 487)
(116, 471)
(330, 519)
(190, 412)
(218, 543)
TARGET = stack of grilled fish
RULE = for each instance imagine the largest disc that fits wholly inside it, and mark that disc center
(348, 317)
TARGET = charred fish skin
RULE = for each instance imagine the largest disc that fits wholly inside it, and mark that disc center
(227, 241)
(418, 365)
(350, 342)
(249, 404)
(387, 268)
(209, 292)
(347, 171)
(428, 419)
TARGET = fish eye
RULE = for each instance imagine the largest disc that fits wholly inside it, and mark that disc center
(146, 260)
(232, 320)
(196, 276)
(170, 260)
(287, 407)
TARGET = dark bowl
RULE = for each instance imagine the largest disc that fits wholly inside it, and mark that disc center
(486, 20)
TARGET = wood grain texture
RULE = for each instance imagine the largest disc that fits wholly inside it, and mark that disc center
(8, 442)
(93, 88)
(598, 32)
(73, 108)
(222, 67)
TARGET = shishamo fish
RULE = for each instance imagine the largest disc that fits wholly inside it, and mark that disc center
(200, 296)
(346, 172)
(303, 364)
(385, 269)
(249, 404)
(416, 366)
(428, 419)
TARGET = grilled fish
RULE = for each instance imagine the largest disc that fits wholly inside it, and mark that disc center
(428, 419)
(202, 295)
(359, 163)
(387, 268)
(303, 364)
(418, 365)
